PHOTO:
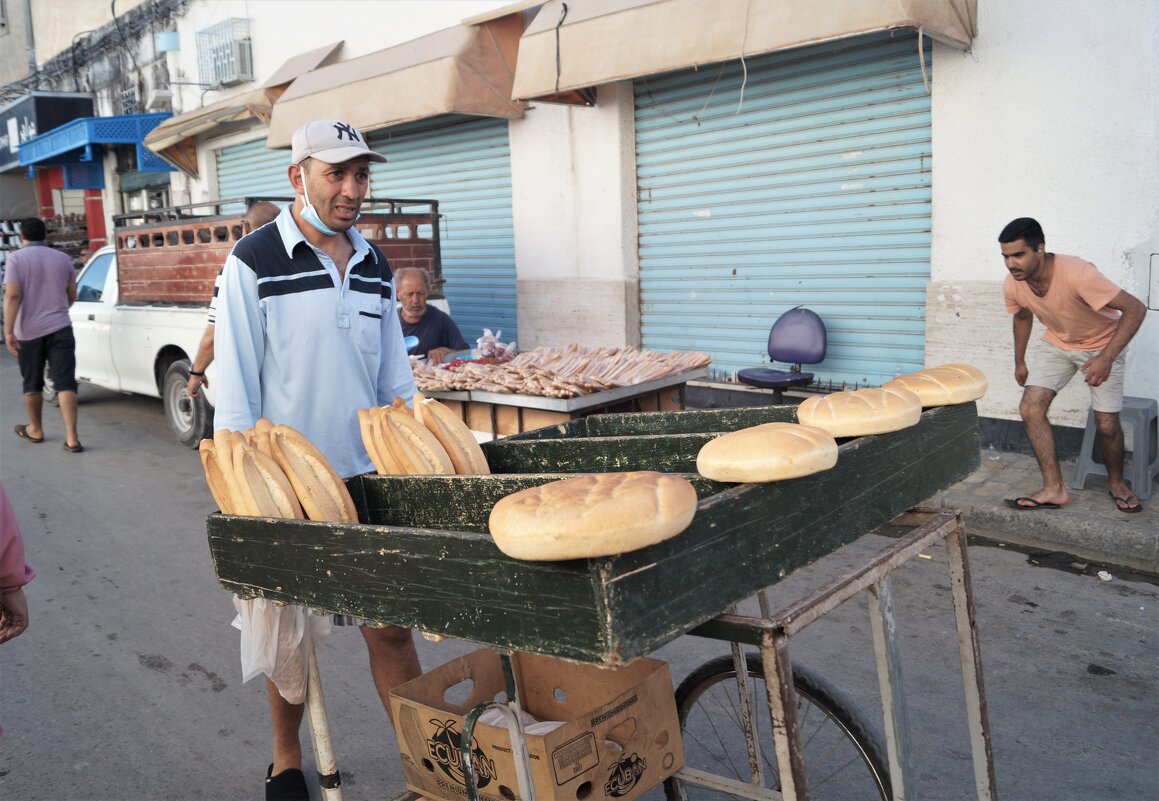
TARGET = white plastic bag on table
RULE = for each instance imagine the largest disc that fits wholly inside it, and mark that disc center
(276, 641)
(489, 347)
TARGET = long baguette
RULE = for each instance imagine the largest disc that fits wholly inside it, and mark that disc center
(320, 490)
(223, 450)
(218, 486)
(245, 502)
(370, 441)
(390, 458)
(262, 429)
(413, 446)
(272, 492)
(452, 433)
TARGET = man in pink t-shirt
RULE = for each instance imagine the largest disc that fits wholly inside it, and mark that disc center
(1089, 322)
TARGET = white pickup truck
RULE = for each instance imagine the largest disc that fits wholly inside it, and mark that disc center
(139, 349)
(142, 302)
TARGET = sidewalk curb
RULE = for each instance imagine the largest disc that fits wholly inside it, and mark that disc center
(1131, 541)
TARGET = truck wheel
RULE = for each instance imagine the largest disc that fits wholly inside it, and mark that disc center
(49, 391)
(190, 418)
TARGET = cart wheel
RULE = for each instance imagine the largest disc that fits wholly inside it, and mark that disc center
(843, 758)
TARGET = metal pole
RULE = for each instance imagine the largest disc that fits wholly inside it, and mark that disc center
(514, 717)
(748, 722)
(328, 778)
(889, 679)
(783, 714)
(971, 656)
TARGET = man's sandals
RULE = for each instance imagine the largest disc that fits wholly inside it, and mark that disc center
(1030, 504)
(1124, 504)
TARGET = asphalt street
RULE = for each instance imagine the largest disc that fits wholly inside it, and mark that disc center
(127, 684)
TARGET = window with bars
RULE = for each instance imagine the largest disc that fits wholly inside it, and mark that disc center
(225, 53)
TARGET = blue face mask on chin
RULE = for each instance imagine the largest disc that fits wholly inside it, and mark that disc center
(310, 214)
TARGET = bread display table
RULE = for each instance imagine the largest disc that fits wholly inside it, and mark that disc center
(422, 556)
(504, 414)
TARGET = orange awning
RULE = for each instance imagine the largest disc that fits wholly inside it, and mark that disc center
(601, 41)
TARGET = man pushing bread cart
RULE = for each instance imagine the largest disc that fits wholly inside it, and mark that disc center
(425, 556)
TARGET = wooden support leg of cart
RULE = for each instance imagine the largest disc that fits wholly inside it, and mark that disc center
(328, 778)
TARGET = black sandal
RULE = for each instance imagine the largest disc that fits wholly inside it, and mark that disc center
(289, 785)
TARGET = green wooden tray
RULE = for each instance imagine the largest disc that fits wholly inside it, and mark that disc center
(423, 557)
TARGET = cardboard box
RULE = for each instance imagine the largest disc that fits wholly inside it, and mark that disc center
(632, 707)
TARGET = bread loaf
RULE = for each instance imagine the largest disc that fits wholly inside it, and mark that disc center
(769, 452)
(594, 515)
(944, 385)
(320, 490)
(218, 486)
(452, 433)
(861, 412)
(370, 441)
(244, 501)
(268, 487)
(262, 429)
(412, 446)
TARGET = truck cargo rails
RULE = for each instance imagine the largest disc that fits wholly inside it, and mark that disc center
(142, 301)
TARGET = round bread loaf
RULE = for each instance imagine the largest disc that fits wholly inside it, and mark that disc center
(590, 516)
(769, 452)
(861, 412)
(944, 385)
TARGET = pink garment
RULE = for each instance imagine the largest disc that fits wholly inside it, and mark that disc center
(14, 571)
(1074, 308)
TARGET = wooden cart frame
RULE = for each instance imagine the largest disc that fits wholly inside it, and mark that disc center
(423, 558)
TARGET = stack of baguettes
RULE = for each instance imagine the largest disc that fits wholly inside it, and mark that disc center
(428, 440)
(274, 471)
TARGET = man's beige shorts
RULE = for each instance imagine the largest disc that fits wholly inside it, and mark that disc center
(1053, 368)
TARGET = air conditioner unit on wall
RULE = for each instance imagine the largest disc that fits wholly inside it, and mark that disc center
(233, 62)
(160, 100)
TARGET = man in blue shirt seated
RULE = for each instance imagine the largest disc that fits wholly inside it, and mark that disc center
(438, 335)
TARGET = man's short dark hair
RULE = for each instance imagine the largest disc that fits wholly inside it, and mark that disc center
(32, 229)
(1025, 228)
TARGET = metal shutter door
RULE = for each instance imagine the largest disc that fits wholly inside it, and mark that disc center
(464, 164)
(252, 170)
(814, 190)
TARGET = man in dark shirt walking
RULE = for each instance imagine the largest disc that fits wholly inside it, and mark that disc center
(40, 285)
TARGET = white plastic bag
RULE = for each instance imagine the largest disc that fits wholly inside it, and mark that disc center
(276, 641)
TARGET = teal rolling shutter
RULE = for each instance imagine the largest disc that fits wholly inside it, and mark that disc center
(465, 164)
(814, 189)
(252, 170)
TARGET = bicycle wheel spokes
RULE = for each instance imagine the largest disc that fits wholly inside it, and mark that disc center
(842, 759)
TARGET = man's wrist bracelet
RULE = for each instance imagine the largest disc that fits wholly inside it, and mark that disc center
(198, 373)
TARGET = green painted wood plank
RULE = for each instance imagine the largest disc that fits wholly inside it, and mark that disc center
(610, 610)
(668, 453)
(460, 503)
(690, 421)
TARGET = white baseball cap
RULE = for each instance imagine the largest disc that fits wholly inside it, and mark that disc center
(330, 141)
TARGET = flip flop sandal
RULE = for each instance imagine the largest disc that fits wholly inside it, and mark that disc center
(1029, 504)
(22, 432)
(1138, 507)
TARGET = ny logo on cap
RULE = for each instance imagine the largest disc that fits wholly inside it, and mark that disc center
(343, 128)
